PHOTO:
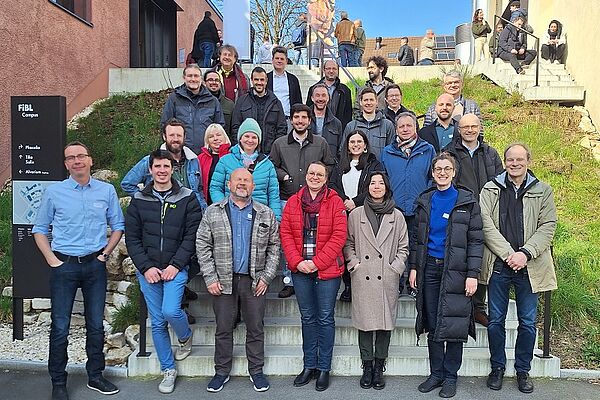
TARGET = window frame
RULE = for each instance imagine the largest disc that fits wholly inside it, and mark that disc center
(87, 19)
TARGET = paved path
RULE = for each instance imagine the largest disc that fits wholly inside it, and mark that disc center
(16, 385)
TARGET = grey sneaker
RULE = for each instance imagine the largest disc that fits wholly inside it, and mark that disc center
(184, 348)
(168, 383)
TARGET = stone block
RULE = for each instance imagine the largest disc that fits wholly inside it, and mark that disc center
(41, 304)
(44, 318)
(586, 125)
(29, 318)
(119, 300)
(77, 320)
(79, 295)
(113, 266)
(111, 286)
(26, 305)
(116, 340)
(128, 267)
(122, 286)
(120, 249)
(78, 307)
(105, 175)
(107, 328)
(118, 356)
(108, 313)
(7, 291)
(132, 335)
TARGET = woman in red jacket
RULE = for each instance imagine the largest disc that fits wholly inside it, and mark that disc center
(216, 145)
(313, 233)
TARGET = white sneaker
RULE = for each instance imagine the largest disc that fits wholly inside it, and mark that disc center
(168, 383)
(184, 348)
(556, 62)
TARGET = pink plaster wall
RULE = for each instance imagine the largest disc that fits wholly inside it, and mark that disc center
(188, 20)
(46, 51)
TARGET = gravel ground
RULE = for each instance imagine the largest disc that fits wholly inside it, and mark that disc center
(34, 346)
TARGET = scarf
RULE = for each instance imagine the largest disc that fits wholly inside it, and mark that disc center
(376, 211)
(406, 145)
(248, 159)
(310, 206)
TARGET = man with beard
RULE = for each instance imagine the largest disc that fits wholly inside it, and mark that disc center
(291, 155)
(452, 83)
(235, 83)
(238, 273)
(371, 121)
(262, 105)
(212, 79)
(441, 132)
(192, 104)
(376, 68)
(393, 99)
(325, 124)
(340, 99)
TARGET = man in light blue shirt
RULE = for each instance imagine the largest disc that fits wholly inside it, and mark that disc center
(79, 210)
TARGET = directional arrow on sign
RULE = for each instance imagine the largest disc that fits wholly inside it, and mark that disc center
(20, 155)
(20, 171)
(20, 146)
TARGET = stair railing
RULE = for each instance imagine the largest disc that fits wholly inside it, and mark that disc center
(537, 46)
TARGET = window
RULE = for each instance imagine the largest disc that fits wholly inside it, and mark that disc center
(80, 9)
(444, 55)
(445, 42)
(392, 55)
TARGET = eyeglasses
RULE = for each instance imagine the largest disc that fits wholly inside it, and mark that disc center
(79, 157)
(319, 175)
(213, 80)
(469, 127)
(447, 170)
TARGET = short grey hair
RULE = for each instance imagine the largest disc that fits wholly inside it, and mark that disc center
(190, 66)
(454, 74)
(407, 114)
(343, 14)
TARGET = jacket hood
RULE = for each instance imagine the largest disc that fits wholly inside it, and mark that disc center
(500, 180)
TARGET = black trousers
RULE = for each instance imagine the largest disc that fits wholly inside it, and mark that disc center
(382, 344)
(445, 358)
(553, 52)
(514, 59)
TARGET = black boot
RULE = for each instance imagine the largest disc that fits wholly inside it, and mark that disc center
(378, 381)
(366, 380)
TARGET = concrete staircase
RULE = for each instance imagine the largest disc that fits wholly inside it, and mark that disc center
(283, 343)
(555, 83)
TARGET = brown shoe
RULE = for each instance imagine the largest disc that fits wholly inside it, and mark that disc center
(481, 318)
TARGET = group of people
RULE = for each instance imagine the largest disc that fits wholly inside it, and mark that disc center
(509, 40)
(351, 39)
(250, 180)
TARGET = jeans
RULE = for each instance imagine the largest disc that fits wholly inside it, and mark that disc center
(299, 59)
(64, 282)
(208, 48)
(445, 358)
(426, 61)
(316, 301)
(346, 53)
(358, 54)
(225, 307)
(164, 306)
(498, 288)
(285, 271)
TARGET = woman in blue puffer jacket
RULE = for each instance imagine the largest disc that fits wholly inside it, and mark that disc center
(246, 155)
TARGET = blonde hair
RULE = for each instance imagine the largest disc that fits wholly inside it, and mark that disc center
(211, 129)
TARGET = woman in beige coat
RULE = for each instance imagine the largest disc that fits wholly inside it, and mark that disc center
(376, 251)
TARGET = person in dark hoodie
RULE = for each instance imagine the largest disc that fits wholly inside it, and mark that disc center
(263, 106)
(212, 79)
(555, 43)
(340, 99)
(324, 123)
(379, 129)
(512, 46)
(193, 104)
(445, 260)
(206, 38)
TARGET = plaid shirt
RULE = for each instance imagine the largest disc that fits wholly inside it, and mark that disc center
(310, 238)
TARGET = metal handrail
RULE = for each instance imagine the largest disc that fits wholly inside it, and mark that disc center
(537, 46)
(547, 318)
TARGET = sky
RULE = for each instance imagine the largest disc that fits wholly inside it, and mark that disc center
(395, 18)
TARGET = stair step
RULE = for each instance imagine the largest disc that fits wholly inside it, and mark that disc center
(555, 93)
(287, 360)
(281, 331)
(277, 307)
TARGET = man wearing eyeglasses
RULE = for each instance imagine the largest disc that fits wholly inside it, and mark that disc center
(212, 79)
(476, 164)
(79, 210)
(452, 83)
(393, 101)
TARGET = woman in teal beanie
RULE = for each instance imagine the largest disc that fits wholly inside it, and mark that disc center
(245, 154)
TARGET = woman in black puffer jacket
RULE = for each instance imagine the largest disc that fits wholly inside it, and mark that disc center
(445, 259)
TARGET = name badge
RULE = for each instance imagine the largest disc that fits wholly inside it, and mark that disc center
(445, 215)
(249, 216)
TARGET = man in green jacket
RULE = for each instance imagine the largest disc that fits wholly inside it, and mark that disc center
(519, 221)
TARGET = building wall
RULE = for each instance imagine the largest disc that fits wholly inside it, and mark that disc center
(187, 21)
(580, 20)
(46, 51)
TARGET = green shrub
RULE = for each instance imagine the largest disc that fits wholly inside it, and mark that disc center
(129, 313)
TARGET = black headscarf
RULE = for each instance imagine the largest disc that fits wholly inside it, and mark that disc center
(555, 35)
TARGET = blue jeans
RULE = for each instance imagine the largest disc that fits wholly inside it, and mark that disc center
(208, 48)
(426, 61)
(498, 289)
(445, 358)
(64, 282)
(285, 271)
(164, 306)
(316, 301)
(346, 53)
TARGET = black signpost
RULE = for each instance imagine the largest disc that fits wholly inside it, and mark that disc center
(39, 126)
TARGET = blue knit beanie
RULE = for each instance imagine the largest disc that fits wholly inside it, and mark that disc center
(250, 125)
